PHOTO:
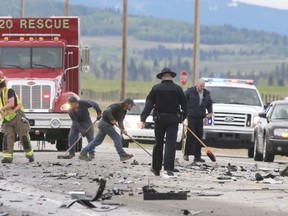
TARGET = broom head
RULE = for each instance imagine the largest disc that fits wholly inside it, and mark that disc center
(211, 155)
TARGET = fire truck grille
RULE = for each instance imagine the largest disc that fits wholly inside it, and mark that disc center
(33, 97)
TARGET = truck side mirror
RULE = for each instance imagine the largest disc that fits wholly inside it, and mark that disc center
(85, 59)
(262, 114)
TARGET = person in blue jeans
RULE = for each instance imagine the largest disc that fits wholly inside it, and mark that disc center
(113, 115)
(81, 121)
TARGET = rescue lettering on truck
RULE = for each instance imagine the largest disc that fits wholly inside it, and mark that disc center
(40, 59)
(35, 24)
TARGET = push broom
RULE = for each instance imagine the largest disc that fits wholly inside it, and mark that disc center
(208, 151)
(137, 143)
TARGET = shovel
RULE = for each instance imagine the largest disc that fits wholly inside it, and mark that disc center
(208, 151)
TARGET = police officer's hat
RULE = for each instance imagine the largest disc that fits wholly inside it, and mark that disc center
(2, 83)
(166, 70)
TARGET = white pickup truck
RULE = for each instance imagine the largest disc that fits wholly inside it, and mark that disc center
(236, 104)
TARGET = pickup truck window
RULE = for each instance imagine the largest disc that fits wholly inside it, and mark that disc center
(226, 95)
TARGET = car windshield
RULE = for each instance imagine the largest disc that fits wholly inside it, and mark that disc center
(234, 95)
(280, 111)
(137, 110)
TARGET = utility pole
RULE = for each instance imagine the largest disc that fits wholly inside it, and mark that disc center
(195, 72)
(67, 8)
(21, 8)
(124, 43)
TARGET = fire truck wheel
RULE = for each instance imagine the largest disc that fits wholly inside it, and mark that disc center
(1, 140)
(62, 144)
(79, 146)
(125, 143)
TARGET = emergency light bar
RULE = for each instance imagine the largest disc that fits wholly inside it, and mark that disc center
(243, 81)
(31, 37)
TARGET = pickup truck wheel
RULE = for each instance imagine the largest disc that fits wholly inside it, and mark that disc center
(250, 152)
(180, 144)
(267, 156)
(125, 143)
(257, 155)
(62, 144)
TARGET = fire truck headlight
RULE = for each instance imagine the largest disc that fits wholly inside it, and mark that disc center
(55, 123)
(65, 107)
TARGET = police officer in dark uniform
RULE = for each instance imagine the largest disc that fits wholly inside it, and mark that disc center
(166, 98)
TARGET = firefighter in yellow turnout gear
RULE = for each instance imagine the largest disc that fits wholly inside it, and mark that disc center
(13, 122)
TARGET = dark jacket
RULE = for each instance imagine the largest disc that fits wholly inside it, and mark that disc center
(83, 114)
(193, 98)
(165, 97)
(115, 112)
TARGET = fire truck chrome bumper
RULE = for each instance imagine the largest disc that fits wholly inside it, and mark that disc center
(49, 120)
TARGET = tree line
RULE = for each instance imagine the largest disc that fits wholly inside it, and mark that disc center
(151, 60)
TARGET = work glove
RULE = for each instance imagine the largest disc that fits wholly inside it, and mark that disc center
(83, 132)
(99, 115)
(123, 131)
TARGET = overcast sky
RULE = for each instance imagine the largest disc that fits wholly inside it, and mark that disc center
(281, 4)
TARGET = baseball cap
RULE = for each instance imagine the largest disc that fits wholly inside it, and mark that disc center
(129, 101)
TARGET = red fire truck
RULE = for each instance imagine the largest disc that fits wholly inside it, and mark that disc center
(40, 59)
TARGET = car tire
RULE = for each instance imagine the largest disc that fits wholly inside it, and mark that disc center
(125, 143)
(257, 155)
(267, 156)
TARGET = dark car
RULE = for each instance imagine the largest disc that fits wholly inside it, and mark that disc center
(271, 132)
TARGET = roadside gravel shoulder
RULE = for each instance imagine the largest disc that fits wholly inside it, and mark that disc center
(39, 188)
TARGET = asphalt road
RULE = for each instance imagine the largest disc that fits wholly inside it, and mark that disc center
(227, 187)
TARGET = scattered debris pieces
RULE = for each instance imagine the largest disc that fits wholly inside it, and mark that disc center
(86, 200)
(135, 162)
(209, 194)
(284, 172)
(151, 194)
(187, 212)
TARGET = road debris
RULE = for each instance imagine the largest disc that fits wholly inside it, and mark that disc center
(86, 200)
(151, 194)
